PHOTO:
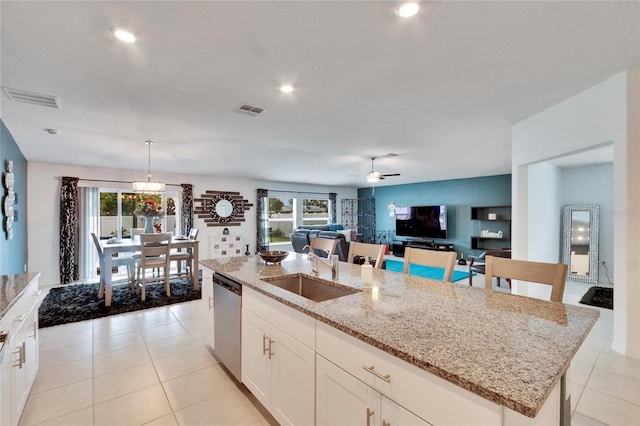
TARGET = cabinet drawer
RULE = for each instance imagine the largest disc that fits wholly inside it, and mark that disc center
(430, 397)
(22, 307)
(296, 324)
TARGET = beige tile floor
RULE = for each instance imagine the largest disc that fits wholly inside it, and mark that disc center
(151, 368)
(143, 368)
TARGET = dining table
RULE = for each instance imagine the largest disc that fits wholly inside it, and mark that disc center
(132, 245)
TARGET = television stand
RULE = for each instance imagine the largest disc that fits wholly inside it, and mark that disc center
(400, 246)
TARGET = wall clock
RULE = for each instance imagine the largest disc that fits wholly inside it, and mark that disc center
(222, 208)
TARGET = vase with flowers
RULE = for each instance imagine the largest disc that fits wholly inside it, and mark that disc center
(149, 210)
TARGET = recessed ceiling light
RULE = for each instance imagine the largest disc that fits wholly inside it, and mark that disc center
(407, 10)
(124, 35)
(286, 88)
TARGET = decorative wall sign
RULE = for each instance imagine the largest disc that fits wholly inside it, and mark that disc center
(9, 199)
(221, 208)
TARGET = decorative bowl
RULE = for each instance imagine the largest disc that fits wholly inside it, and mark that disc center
(274, 256)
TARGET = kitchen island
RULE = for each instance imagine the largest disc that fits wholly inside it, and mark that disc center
(509, 350)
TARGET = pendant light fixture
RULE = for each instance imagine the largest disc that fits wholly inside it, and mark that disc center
(148, 186)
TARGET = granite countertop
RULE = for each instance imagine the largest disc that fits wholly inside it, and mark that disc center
(508, 349)
(11, 289)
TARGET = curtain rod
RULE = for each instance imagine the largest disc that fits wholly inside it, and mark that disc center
(299, 192)
(114, 181)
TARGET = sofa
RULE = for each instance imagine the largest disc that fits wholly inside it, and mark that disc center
(302, 237)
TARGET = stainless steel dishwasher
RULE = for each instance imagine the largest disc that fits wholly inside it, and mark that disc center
(227, 296)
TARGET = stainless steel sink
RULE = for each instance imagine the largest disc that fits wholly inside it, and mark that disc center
(311, 287)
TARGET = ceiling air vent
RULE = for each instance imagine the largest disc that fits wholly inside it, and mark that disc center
(31, 98)
(247, 109)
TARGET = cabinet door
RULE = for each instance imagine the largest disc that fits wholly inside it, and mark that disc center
(292, 380)
(207, 307)
(395, 415)
(20, 388)
(341, 399)
(6, 374)
(255, 364)
(31, 348)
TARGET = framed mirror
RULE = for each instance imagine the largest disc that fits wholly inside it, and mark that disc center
(580, 232)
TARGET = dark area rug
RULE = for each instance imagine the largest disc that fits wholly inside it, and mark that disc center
(78, 302)
(601, 297)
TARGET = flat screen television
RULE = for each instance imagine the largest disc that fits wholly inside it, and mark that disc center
(422, 221)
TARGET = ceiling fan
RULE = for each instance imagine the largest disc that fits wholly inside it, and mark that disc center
(374, 176)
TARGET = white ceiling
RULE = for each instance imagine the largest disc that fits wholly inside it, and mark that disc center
(441, 89)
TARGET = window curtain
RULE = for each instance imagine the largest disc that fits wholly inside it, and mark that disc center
(262, 212)
(69, 230)
(89, 222)
(186, 209)
(333, 206)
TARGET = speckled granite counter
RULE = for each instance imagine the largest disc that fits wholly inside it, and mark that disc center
(509, 349)
(11, 289)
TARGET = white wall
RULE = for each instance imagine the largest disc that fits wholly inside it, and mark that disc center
(44, 201)
(543, 224)
(605, 113)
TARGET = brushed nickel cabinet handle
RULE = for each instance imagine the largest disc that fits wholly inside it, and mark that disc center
(372, 370)
(370, 413)
(21, 318)
(271, 353)
(265, 349)
(210, 303)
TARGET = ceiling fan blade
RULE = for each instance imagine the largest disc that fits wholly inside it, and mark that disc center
(390, 174)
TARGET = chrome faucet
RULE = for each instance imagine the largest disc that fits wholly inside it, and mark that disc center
(332, 262)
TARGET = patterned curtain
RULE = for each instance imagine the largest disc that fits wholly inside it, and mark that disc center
(262, 213)
(186, 213)
(69, 230)
(333, 202)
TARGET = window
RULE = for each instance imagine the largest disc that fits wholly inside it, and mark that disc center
(281, 219)
(315, 211)
(285, 215)
(117, 215)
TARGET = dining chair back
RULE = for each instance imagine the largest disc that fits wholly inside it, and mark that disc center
(553, 274)
(323, 247)
(371, 251)
(121, 260)
(436, 259)
(193, 234)
(179, 256)
(154, 253)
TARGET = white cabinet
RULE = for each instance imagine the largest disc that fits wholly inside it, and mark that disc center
(20, 354)
(207, 306)
(276, 367)
(225, 246)
(343, 399)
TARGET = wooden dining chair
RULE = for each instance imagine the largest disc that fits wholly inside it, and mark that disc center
(121, 260)
(323, 247)
(371, 251)
(154, 253)
(436, 259)
(186, 256)
(553, 274)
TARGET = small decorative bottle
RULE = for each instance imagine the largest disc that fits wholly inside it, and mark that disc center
(247, 252)
(367, 273)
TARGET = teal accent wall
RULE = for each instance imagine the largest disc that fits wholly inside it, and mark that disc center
(13, 252)
(457, 194)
